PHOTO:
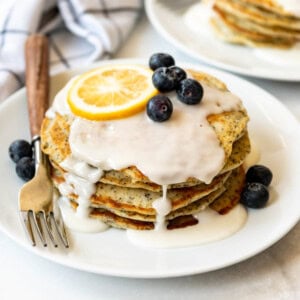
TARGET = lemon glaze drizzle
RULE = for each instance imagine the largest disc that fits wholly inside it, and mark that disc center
(137, 138)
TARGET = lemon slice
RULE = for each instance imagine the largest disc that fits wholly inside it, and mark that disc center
(111, 92)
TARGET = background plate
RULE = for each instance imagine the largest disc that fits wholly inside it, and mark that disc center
(207, 48)
(273, 129)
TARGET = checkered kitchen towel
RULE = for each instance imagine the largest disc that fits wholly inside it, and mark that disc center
(79, 32)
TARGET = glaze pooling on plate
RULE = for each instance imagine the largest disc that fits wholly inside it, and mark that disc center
(211, 227)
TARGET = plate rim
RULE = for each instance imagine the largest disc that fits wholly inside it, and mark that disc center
(149, 8)
(146, 274)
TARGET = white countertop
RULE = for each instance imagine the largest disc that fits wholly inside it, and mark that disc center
(273, 274)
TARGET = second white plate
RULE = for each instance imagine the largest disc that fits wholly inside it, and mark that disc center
(169, 22)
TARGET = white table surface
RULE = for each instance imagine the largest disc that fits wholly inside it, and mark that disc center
(273, 274)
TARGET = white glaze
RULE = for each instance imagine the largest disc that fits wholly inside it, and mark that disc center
(60, 104)
(80, 180)
(81, 169)
(197, 18)
(162, 207)
(76, 222)
(211, 227)
(170, 152)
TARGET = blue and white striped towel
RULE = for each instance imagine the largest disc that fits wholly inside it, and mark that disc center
(79, 32)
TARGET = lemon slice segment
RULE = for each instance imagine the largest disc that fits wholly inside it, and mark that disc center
(111, 92)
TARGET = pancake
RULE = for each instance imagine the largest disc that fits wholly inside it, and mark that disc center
(240, 149)
(132, 178)
(245, 10)
(224, 203)
(229, 127)
(140, 200)
(191, 208)
(271, 5)
(255, 23)
(210, 80)
(124, 198)
(124, 223)
(231, 196)
(116, 221)
(221, 200)
(238, 31)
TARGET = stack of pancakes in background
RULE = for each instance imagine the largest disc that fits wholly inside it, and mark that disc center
(255, 23)
(124, 198)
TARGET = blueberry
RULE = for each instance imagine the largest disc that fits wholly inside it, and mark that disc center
(259, 173)
(190, 91)
(178, 73)
(168, 79)
(159, 60)
(19, 149)
(159, 108)
(25, 168)
(255, 195)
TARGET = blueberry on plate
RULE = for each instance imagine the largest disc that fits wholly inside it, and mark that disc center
(189, 91)
(19, 149)
(255, 195)
(259, 173)
(25, 168)
(159, 60)
(159, 108)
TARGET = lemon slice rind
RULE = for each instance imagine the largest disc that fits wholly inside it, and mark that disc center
(93, 112)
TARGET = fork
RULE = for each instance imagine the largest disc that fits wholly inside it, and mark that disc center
(36, 196)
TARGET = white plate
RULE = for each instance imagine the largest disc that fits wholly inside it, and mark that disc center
(275, 132)
(240, 59)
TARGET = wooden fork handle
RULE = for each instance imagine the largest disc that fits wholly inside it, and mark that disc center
(37, 80)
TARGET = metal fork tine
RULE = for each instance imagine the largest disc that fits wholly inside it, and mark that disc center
(48, 228)
(61, 231)
(27, 226)
(38, 227)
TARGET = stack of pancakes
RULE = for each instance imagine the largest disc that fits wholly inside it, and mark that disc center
(255, 23)
(124, 198)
